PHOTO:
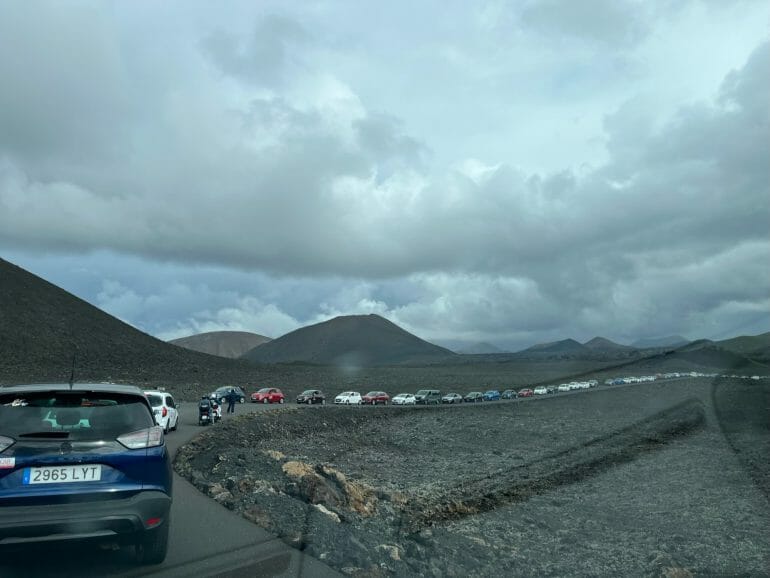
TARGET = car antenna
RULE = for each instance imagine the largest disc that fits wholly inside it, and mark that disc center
(72, 372)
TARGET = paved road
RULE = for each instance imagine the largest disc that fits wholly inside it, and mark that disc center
(206, 540)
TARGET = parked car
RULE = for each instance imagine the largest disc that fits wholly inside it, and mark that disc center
(403, 399)
(452, 398)
(99, 468)
(164, 409)
(311, 396)
(375, 398)
(550, 388)
(221, 393)
(492, 395)
(508, 394)
(564, 387)
(427, 397)
(526, 392)
(473, 397)
(348, 398)
(541, 390)
(267, 395)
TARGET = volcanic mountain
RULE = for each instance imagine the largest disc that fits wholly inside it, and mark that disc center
(604, 344)
(565, 347)
(230, 344)
(354, 340)
(42, 327)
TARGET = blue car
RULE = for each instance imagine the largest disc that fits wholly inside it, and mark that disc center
(83, 462)
(491, 395)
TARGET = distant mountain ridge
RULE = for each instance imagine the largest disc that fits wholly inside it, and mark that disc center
(478, 348)
(353, 340)
(669, 341)
(231, 344)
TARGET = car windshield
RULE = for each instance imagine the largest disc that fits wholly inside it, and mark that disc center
(265, 390)
(76, 416)
(308, 392)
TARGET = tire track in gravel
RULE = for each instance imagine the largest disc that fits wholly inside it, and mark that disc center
(568, 466)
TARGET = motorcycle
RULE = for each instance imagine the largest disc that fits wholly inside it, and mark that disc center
(206, 413)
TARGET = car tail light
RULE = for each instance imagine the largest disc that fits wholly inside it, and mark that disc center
(145, 438)
(152, 522)
(164, 413)
(5, 443)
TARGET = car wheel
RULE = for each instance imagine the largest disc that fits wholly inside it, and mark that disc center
(242, 400)
(153, 545)
(265, 400)
(280, 400)
(166, 428)
(223, 400)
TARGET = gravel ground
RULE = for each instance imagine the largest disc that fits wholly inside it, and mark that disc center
(665, 479)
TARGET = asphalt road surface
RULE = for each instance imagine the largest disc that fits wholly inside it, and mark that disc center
(206, 539)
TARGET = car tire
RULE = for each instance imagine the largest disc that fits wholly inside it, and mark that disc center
(280, 400)
(265, 400)
(242, 400)
(223, 400)
(153, 545)
(166, 428)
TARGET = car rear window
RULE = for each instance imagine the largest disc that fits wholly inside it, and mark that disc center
(74, 415)
(155, 400)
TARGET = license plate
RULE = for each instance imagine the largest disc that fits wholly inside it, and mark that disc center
(63, 474)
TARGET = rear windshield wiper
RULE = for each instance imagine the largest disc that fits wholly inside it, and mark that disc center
(45, 434)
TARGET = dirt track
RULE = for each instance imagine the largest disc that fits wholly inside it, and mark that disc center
(640, 480)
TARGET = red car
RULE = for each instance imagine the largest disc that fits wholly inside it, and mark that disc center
(375, 398)
(526, 393)
(267, 395)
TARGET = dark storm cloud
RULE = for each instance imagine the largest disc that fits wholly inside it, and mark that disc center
(63, 92)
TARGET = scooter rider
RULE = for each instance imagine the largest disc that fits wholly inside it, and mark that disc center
(216, 406)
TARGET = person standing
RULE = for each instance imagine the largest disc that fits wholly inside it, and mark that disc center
(231, 399)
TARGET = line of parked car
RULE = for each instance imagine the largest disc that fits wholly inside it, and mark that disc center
(269, 395)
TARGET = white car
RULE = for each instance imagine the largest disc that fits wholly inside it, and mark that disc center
(348, 398)
(404, 399)
(564, 387)
(541, 390)
(164, 409)
(574, 385)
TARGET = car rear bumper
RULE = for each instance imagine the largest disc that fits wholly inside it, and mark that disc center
(118, 518)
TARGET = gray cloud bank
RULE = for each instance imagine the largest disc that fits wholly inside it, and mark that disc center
(245, 153)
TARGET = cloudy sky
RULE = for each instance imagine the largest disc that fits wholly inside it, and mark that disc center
(512, 172)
